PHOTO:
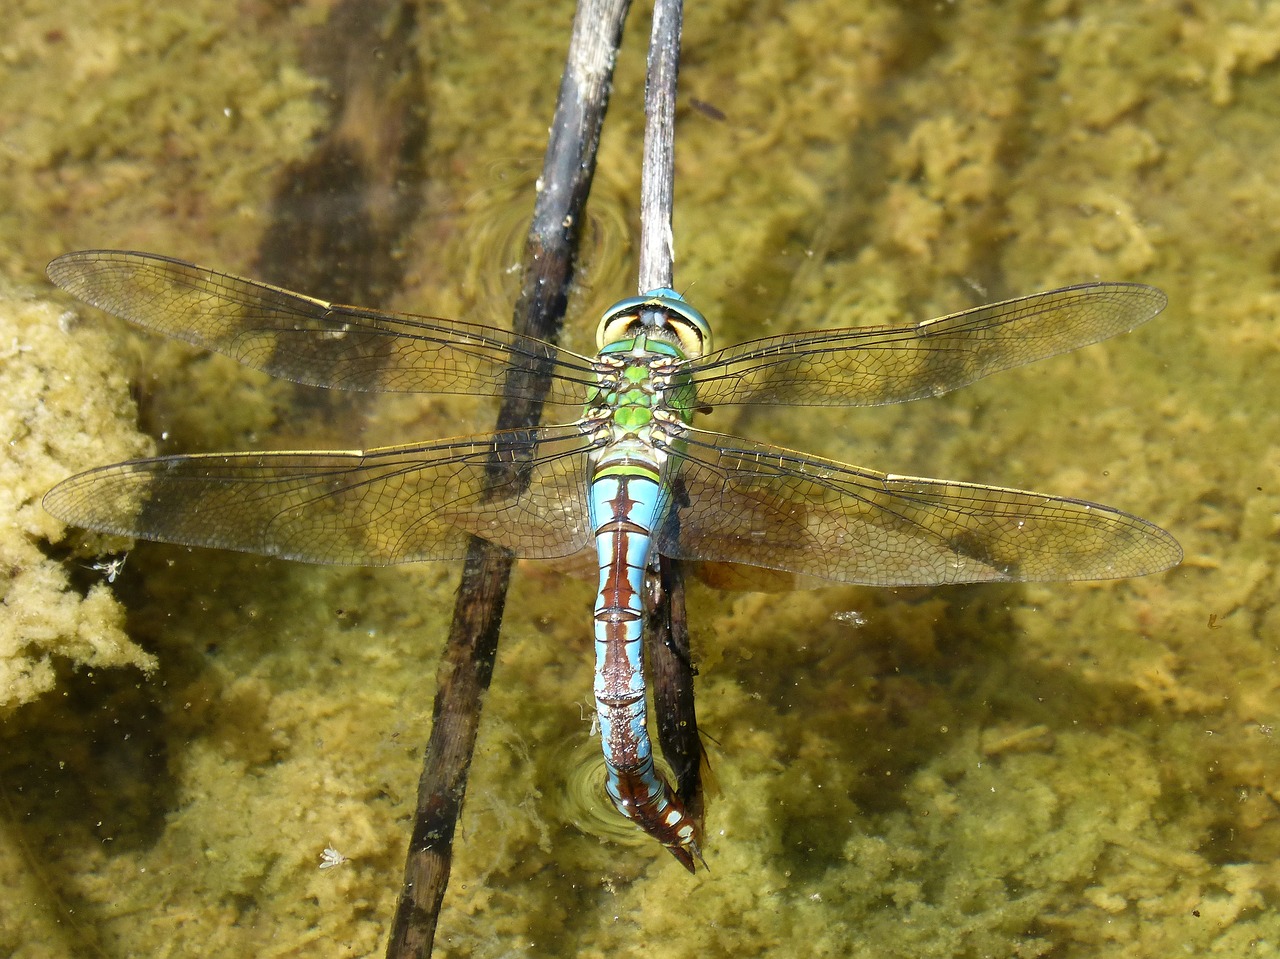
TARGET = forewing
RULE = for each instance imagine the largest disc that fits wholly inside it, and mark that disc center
(748, 503)
(371, 508)
(310, 341)
(873, 366)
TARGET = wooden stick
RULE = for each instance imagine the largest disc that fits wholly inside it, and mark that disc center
(666, 633)
(657, 176)
(671, 671)
(467, 666)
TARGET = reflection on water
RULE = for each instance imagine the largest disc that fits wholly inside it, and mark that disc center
(584, 802)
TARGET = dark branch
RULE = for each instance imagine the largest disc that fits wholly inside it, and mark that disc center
(467, 666)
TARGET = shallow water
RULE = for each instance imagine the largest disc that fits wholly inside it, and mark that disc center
(989, 771)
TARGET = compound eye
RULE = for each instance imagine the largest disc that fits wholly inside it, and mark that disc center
(620, 322)
(690, 327)
(681, 324)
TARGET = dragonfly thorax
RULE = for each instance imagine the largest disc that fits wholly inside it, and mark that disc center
(634, 388)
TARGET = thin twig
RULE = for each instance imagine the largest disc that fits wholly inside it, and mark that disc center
(467, 665)
(657, 176)
(666, 633)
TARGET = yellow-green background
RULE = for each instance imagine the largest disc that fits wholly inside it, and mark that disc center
(1065, 770)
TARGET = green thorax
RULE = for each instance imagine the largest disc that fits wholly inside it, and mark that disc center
(640, 377)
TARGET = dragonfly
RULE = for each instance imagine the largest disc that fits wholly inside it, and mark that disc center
(626, 477)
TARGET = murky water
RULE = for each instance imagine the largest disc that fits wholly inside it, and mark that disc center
(981, 771)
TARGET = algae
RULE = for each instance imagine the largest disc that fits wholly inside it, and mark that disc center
(1063, 770)
(55, 422)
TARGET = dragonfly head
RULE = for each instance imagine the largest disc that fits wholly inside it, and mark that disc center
(680, 326)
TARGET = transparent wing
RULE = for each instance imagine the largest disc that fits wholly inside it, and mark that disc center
(394, 505)
(310, 341)
(743, 502)
(877, 365)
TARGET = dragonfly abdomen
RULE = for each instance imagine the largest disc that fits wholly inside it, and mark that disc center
(625, 503)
